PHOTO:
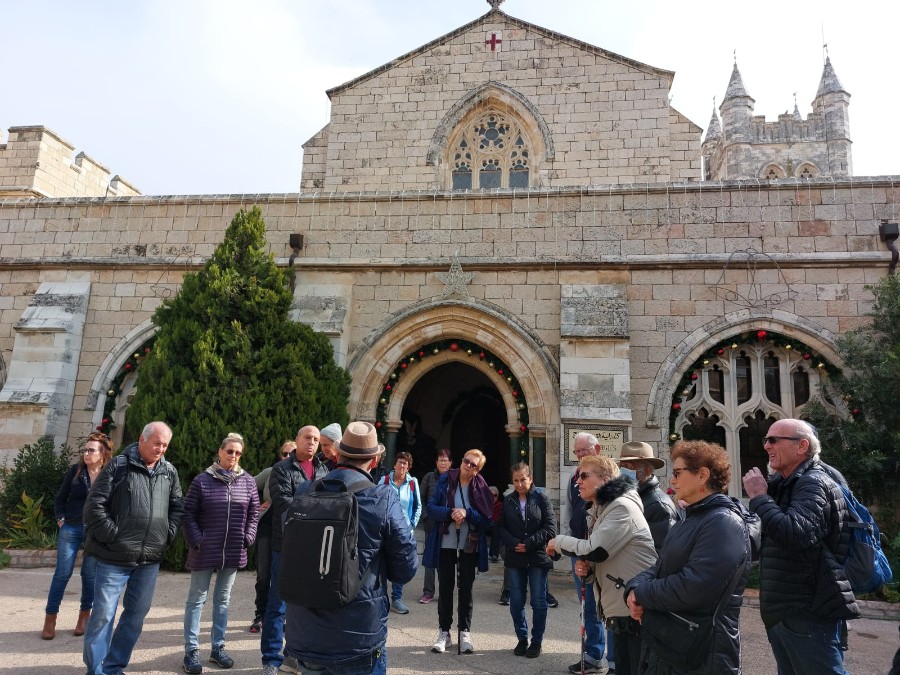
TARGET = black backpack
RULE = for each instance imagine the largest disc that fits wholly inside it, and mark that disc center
(319, 565)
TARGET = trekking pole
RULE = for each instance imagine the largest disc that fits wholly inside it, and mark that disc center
(582, 627)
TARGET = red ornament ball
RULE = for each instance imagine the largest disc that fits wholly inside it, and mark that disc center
(500, 371)
(387, 387)
(146, 350)
(454, 347)
(403, 366)
(676, 406)
(105, 420)
(515, 393)
(99, 427)
(523, 428)
(694, 376)
(421, 354)
(377, 425)
(481, 356)
(127, 366)
(855, 411)
(761, 334)
(807, 357)
(720, 352)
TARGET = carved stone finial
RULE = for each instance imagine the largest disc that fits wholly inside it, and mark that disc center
(495, 4)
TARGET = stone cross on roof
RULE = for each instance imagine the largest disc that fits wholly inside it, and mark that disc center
(495, 4)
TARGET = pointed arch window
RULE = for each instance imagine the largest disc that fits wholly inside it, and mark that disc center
(491, 150)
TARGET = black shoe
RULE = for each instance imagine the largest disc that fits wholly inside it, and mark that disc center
(191, 663)
(220, 657)
(522, 647)
(504, 598)
(256, 626)
(551, 601)
(534, 650)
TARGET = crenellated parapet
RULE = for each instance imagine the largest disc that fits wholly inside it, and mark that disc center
(36, 162)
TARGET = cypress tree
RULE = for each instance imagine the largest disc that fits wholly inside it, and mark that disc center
(227, 357)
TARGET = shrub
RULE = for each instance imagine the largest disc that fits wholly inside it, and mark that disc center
(38, 471)
(28, 527)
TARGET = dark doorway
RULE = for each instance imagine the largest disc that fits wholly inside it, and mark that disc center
(456, 406)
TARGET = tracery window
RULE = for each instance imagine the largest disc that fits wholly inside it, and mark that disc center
(740, 390)
(490, 151)
(807, 171)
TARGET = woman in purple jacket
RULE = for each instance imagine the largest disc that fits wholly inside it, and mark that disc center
(221, 511)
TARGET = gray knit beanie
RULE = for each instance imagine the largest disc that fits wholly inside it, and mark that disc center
(333, 431)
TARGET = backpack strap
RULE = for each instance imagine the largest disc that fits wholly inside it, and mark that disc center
(121, 470)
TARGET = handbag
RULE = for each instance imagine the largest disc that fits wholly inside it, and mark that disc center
(683, 640)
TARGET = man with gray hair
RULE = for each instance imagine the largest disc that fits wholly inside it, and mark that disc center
(131, 516)
(805, 597)
(595, 660)
(658, 508)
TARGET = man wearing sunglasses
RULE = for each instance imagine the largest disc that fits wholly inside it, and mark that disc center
(805, 597)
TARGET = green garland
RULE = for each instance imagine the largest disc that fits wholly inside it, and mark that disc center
(131, 365)
(470, 349)
(692, 374)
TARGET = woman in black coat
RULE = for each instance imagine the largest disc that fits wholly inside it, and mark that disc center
(526, 524)
(703, 556)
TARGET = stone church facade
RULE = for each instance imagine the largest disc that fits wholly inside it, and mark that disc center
(508, 235)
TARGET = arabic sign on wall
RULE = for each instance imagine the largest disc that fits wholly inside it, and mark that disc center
(609, 436)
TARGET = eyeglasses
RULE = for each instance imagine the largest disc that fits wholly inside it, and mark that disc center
(678, 472)
(90, 451)
(772, 440)
(234, 452)
(583, 475)
(469, 463)
(285, 455)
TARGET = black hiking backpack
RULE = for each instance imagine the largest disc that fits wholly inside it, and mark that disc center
(319, 565)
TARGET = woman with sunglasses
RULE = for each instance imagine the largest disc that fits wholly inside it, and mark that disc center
(702, 557)
(68, 507)
(618, 547)
(461, 508)
(221, 512)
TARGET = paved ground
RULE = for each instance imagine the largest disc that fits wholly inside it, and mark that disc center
(23, 594)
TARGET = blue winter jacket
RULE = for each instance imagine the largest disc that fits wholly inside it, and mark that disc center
(439, 513)
(386, 544)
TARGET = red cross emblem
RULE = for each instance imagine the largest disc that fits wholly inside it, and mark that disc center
(494, 41)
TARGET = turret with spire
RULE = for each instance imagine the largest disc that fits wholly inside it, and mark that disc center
(832, 103)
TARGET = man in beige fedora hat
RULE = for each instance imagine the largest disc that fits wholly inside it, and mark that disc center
(658, 508)
(317, 638)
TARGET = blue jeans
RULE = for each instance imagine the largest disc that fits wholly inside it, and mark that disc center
(67, 544)
(805, 646)
(396, 591)
(595, 643)
(107, 652)
(197, 592)
(271, 638)
(536, 578)
(376, 664)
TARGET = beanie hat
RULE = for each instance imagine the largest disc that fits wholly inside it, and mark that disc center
(333, 431)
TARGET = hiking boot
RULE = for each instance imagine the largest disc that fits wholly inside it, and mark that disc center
(399, 606)
(522, 647)
(290, 665)
(191, 663)
(220, 657)
(442, 643)
(534, 650)
(504, 598)
(256, 626)
(465, 642)
(552, 601)
(426, 598)
(601, 668)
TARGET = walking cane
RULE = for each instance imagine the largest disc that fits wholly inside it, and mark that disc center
(459, 593)
(582, 627)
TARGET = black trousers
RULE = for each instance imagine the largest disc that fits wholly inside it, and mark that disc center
(263, 563)
(626, 635)
(447, 583)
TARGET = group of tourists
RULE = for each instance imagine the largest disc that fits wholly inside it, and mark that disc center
(659, 579)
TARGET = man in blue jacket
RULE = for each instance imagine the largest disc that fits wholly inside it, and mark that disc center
(353, 638)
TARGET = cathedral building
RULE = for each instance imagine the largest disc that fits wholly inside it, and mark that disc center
(509, 235)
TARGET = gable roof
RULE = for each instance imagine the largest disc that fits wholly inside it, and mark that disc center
(496, 13)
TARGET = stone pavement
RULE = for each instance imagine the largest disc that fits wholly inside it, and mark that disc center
(24, 592)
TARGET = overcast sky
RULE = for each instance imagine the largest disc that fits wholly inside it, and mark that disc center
(217, 96)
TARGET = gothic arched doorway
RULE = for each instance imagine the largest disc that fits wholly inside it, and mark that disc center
(457, 407)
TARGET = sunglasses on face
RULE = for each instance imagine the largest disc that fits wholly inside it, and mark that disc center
(469, 463)
(230, 452)
(772, 440)
(583, 475)
(285, 455)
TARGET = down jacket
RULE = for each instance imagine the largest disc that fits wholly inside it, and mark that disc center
(386, 544)
(699, 559)
(658, 510)
(131, 519)
(221, 513)
(538, 527)
(804, 533)
(620, 543)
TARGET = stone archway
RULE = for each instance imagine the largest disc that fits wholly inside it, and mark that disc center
(477, 322)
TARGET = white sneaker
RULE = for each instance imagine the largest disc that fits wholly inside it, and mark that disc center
(465, 642)
(443, 641)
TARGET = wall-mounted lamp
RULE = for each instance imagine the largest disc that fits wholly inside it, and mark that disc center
(889, 233)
